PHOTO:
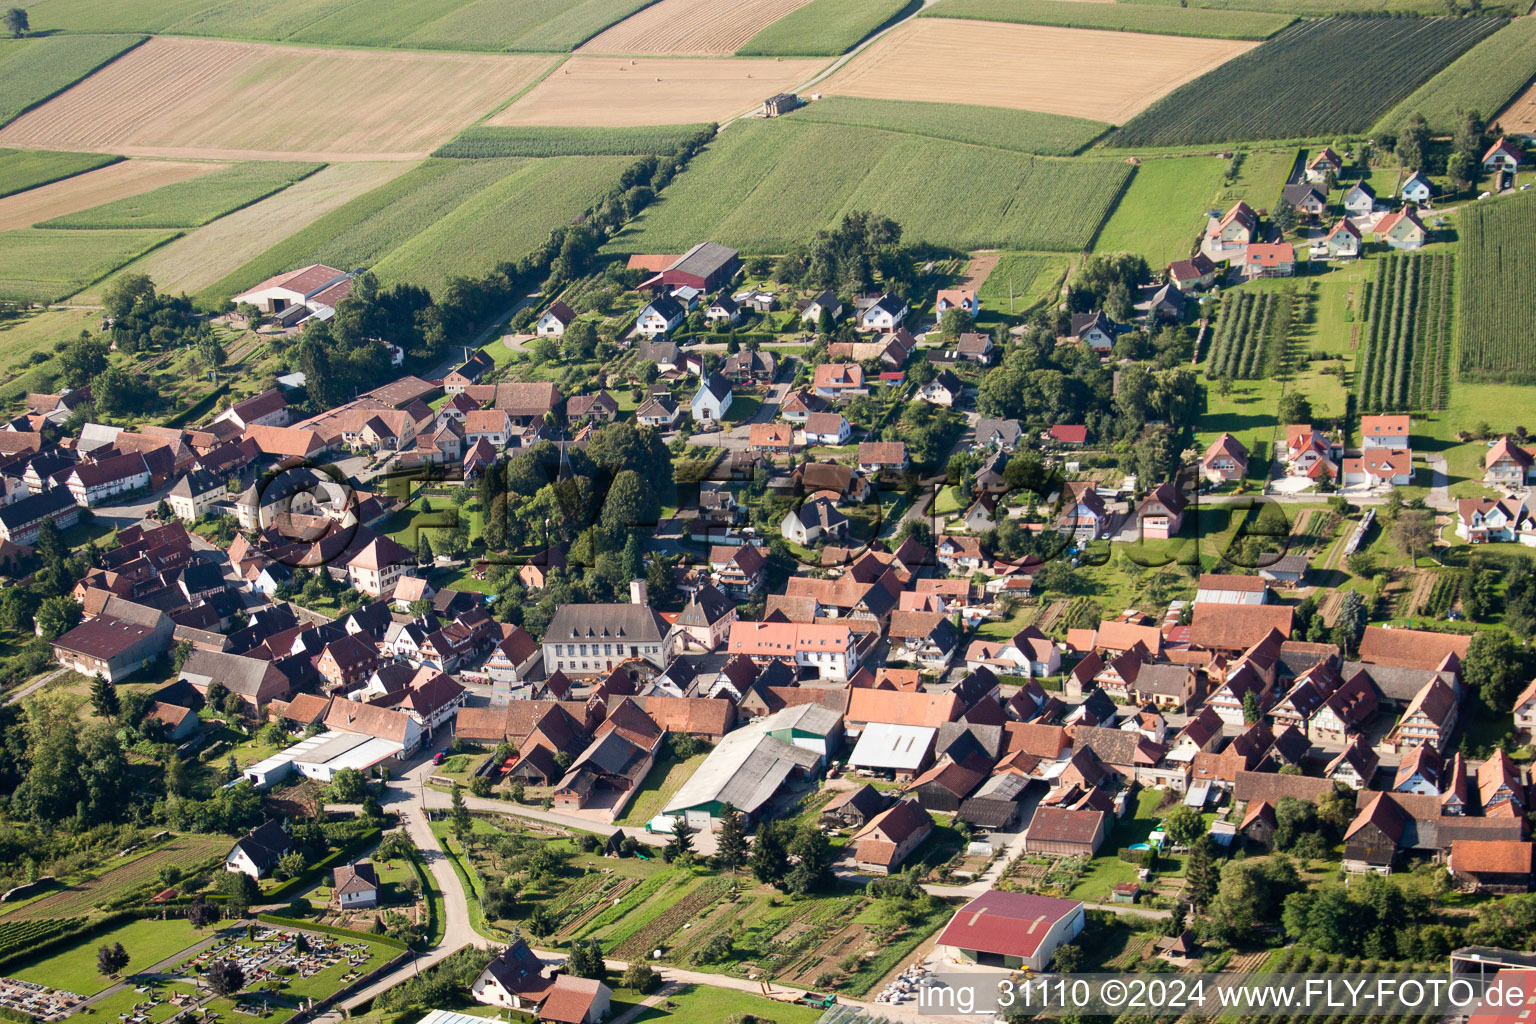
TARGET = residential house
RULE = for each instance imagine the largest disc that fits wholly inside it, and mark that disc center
(827, 648)
(1485, 520)
(1525, 710)
(380, 565)
(268, 409)
(1377, 467)
(1226, 459)
(877, 457)
(963, 299)
(474, 366)
(253, 680)
(1417, 189)
(1359, 200)
(1503, 155)
(257, 852)
(928, 639)
(1344, 240)
(959, 554)
(998, 433)
(92, 483)
(1310, 453)
(1310, 203)
(514, 979)
(1067, 435)
(706, 620)
(599, 408)
(1083, 516)
(355, 886)
(1326, 162)
(885, 314)
(712, 399)
(723, 310)
(738, 571)
(658, 411)
(836, 380)
(1160, 514)
(1269, 259)
(1355, 765)
(1028, 652)
(1096, 330)
(593, 639)
(826, 301)
(1238, 227)
(812, 522)
(1402, 230)
(20, 521)
(771, 438)
(553, 321)
(1194, 274)
(192, 495)
(880, 847)
(829, 428)
(945, 389)
(973, 346)
(659, 316)
(749, 365)
(1507, 464)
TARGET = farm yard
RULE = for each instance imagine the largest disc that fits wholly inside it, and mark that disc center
(1485, 79)
(917, 61)
(194, 98)
(1123, 17)
(1024, 130)
(616, 92)
(203, 256)
(41, 265)
(1405, 360)
(765, 186)
(695, 27)
(823, 28)
(32, 70)
(1498, 290)
(1268, 93)
(189, 203)
(116, 181)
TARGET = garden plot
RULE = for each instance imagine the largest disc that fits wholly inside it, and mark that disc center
(226, 100)
(618, 92)
(1029, 67)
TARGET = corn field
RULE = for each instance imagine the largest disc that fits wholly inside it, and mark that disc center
(1405, 365)
(1499, 290)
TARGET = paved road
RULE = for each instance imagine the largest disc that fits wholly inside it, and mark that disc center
(1440, 484)
(735, 438)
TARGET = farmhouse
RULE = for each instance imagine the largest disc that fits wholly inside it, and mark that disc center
(1011, 929)
(296, 296)
(881, 846)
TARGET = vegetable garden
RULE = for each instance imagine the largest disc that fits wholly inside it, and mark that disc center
(1498, 290)
(1271, 92)
(1405, 364)
(1251, 335)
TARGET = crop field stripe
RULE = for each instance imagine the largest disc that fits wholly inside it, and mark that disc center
(1120, 17)
(826, 28)
(1271, 92)
(1484, 79)
(1027, 131)
(23, 169)
(484, 141)
(45, 265)
(1498, 290)
(34, 71)
(190, 204)
(1405, 359)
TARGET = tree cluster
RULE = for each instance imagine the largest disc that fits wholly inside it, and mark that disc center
(850, 256)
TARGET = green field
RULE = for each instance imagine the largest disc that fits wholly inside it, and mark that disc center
(766, 186)
(1272, 91)
(1483, 79)
(823, 28)
(1163, 211)
(33, 70)
(1319, 8)
(366, 230)
(1023, 130)
(148, 942)
(695, 1003)
(1029, 277)
(494, 141)
(36, 332)
(21, 169)
(1498, 290)
(523, 25)
(1173, 21)
(504, 222)
(40, 265)
(189, 204)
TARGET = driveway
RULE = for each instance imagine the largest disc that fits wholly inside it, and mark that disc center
(1440, 484)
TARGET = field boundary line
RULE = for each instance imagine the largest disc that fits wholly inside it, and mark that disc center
(525, 91)
(65, 88)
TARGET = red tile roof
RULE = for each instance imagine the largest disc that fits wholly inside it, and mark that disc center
(1006, 923)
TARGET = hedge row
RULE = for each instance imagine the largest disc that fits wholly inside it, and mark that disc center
(343, 854)
(327, 929)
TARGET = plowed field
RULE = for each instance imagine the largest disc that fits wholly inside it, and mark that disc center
(225, 100)
(701, 27)
(1106, 76)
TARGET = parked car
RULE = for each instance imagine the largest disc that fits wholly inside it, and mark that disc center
(440, 757)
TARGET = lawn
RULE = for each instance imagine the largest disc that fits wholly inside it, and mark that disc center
(36, 69)
(40, 265)
(743, 408)
(822, 28)
(664, 779)
(21, 169)
(148, 942)
(1020, 280)
(1024, 130)
(1173, 21)
(765, 186)
(1162, 212)
(192, 203)
(696, 1003)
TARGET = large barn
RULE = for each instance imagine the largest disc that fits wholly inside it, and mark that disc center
(707, 267)
(1010, 929)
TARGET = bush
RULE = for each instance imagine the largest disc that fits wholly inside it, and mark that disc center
(300, 907)
(640, 977)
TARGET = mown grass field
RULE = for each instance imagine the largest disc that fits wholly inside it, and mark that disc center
(496, 141)
(822, 28)
(1022, 130)
(1163, 209)
(1483, 79)
(39, 265)
(503, 222)
(525, 25)
(1123, 17)
(365, 230)
(32, 70)
(74, 968)
(21, 169)
(1271, 92)
(766, 186)
(189, 204)
(36, 334)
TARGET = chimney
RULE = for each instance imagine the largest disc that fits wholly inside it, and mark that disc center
(637, 592)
